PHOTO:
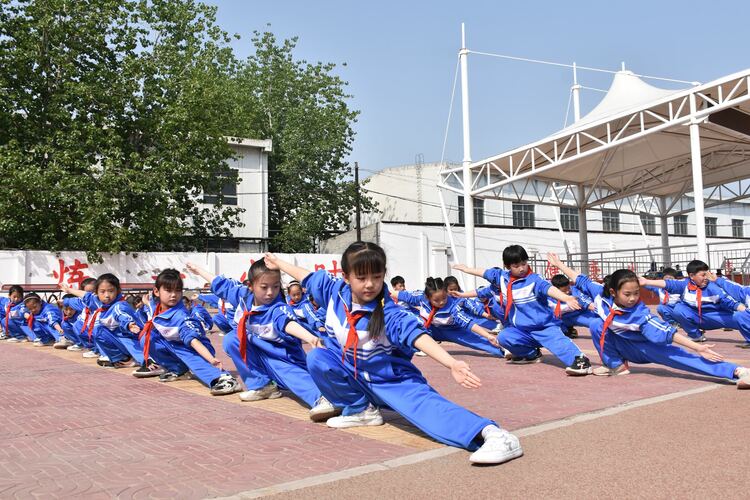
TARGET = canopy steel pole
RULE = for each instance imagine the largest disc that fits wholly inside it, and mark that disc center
(666, 254)
(583, 230)
(468, 200)
(695, 156)
(576, 95)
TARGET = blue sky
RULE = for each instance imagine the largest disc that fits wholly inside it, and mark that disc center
(401, 58)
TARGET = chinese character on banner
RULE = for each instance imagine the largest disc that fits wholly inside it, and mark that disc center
(550, 271)
(74, 272)
(334, 268)
(594, 271)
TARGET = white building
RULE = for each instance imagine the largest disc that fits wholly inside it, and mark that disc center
(251, 167)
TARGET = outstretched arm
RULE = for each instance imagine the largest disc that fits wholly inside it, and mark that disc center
(554, 260)
(483, 332)
(459, 369)
(205, 353)
(199, 271)
(296, 330)
(468, 270)
(703, 349)
(572, 301)
(295, 272)
(73, 291)
(655, 283)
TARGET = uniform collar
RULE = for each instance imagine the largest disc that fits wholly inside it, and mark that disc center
(250, 298)
(345, 294)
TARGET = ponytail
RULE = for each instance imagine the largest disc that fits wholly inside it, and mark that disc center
(432, 285)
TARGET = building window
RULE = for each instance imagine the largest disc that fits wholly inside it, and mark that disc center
(523, 215)
(649, 223)
(738, 230)
(680, 225)
(226, 185)
(611, 221)
(569, 218)
(710, 226)
(478, 210)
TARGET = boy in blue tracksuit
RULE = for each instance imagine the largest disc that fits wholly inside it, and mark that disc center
(569, 317)
(198, 313)
(174, 338)
(367, 360)
(627, 332)
(667, 301)
(11, 314)
(266, 347)
(224, 318)
(43, 320)
(703, 305)
(398, 285)
(530, 321)
(445, 319)
(82, 337)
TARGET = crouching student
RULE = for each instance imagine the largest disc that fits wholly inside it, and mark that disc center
(530, 324)
(742, 295)
(303, 309)
(83, 337)
(223, 319)
(176, 341)
(11, 315)
(703, 305)
(667, 301)
(626, 332)
(367, 364)
(398, 284)
(569, 317)
(109, 322)
(43, 320)
(266, 347)
(69, 318)
(446, 321)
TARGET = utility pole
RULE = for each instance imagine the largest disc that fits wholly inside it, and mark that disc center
(359, 205)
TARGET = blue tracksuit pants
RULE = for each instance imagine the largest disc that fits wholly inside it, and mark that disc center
(222, 323)
(688, 319)
(118, 347)
(270, 361)
(525, 343)
(408, 394)
(578, 318)
(178, 358)
(465, 338)
(617, 350)
(666, 313)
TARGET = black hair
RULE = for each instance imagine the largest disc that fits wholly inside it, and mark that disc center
(560, 280)
(432, 285)
(364, 257)
(107, 278)
(170, 280)
(85, 282)
(696, 266)
(293, 284)
(133, 300)
(668, 271)
(187, 300)
(514, 254)
(16, 288)
(451, 280)
(618, 278)
(258, 269)
(32, 296)
(68, 296)
(398, 280)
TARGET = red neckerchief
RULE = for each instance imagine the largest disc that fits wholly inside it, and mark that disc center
(558, 310)
(7, 315)
(146, 332)
(698, 297)
(607, 322)
(242, 332)
(666, 297)
(509, 290)
(430, 317)
(352, 338)
(92, 320)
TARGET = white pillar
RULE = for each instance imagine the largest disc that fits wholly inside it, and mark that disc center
(576, 95)
(666, 254)
(583, 230)
(695, 156)
(468, 200)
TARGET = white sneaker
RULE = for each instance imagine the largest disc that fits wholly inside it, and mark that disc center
(323, 410)
(499, 446)
(743, 378)
(420, 354)
(90, 354)
(13, 340)
(369, 417)
(269, 391)
(63, 343)
(74, 347)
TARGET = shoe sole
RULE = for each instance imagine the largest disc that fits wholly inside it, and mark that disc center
(526, 362)
(225, 392)
(743, 385)
(324, 415)
(506, 458)
(274, 395)
(579, 373)
(147, 374)
(346, 425)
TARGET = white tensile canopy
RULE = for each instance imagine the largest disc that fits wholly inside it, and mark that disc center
(640, 141)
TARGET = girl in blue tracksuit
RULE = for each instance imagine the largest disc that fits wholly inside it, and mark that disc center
(176, 341)
(43, 320)
(742, 295)
(198, 313)
(569, 317)
(667, 301)
(303, 309)
(79, 333)
(223, 319)
(627, 332)
(704, 305)
(367, 360)
(529, 321)
(445, 320)
(266, 347)
(11, 314)
(475, 306)
(109, 323)
(69, 320)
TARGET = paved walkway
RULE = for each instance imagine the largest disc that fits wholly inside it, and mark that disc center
(72, 429)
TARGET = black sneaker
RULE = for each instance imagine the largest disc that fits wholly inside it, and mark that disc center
(105, 362)
(571, 333)
(148, 370)
(526, 360)
(226, 384)
(170, 376)
(581, 366)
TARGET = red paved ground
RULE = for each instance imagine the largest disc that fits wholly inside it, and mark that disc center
(74, 429)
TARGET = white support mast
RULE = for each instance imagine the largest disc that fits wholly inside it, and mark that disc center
(467, 181)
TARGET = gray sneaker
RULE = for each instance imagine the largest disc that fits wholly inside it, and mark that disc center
(269, 391)
(369, 417)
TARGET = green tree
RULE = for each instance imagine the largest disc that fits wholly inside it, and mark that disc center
(304, 108)
(112, 123)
